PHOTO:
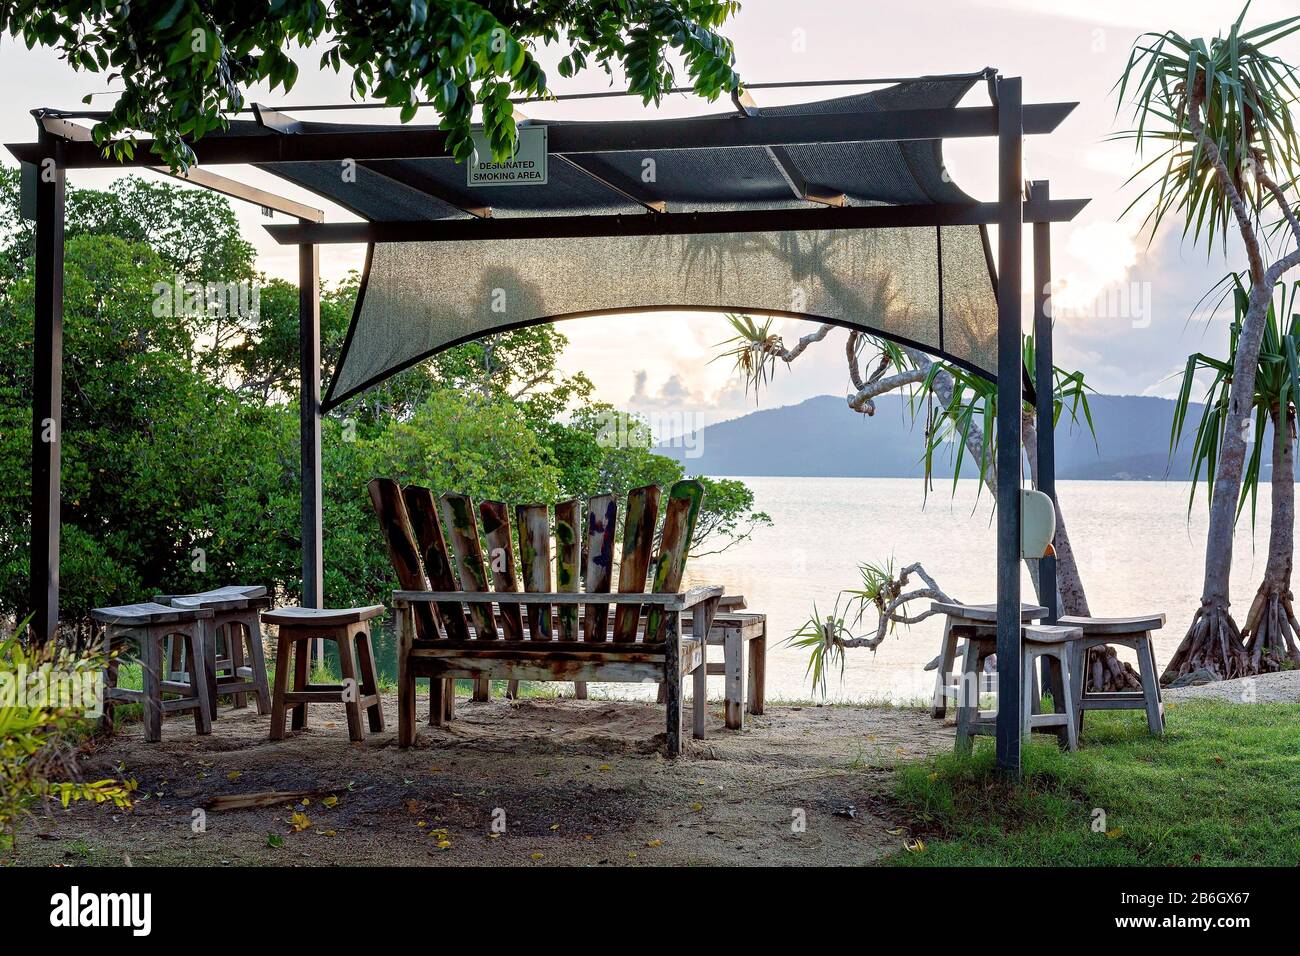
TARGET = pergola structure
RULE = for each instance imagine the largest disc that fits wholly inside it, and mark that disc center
(838, 210)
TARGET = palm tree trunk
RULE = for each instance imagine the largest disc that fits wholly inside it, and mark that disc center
(1271, 631)
(1213, 643)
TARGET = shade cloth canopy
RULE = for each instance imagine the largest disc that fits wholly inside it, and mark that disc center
(931, 286)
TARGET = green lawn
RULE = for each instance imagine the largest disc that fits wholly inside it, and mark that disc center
(1221, 788)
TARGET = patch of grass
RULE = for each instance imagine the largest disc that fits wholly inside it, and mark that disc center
(1222, 787)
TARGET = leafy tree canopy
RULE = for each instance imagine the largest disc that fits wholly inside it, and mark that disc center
(180, 63)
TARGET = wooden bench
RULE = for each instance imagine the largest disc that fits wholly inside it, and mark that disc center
(449, 629)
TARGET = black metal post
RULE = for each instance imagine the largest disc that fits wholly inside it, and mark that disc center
(1046, 448)
(1010, 189)
(47, 391)
(310, 415)
(1044, 426)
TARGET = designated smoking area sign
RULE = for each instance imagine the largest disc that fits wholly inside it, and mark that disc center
(526, 168)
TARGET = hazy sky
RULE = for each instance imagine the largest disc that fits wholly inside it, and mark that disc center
(1064, 50)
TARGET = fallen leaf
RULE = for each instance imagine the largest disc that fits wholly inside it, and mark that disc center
(535, 856)
(300, 822)
(331, 801)
(234, 775)
(655, 842)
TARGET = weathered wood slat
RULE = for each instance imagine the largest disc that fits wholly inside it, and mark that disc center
(535, 555)
(403, 550)
(674, 545)
(602, 520)
(458, 513)
(568, 557)
(501, 561)
(638, 543)
(423, 513)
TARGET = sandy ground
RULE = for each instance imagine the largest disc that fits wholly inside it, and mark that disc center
(575, 782)
(1280, 687)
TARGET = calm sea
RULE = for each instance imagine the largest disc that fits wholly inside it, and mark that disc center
(1139, 551)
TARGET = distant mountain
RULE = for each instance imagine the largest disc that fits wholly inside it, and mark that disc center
(824, 437)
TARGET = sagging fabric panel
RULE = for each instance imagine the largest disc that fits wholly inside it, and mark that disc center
(419, 298)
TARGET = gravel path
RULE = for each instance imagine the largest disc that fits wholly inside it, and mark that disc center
(1281, 687)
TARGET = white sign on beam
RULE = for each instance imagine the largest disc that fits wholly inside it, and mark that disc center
(526, 168)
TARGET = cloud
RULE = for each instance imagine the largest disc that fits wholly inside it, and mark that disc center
(676, 393)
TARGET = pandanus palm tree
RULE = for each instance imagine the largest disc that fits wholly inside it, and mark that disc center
(1268, 638)
(1219, 114)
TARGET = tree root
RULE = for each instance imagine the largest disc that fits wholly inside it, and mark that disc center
(1108, 674)
(1271, 631)
(1212, 643)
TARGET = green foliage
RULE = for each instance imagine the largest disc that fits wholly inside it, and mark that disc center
(35, 735)
(823, 638)
(193, 231)
(974, 403)
(1275, 389)
(752, 351)
(180, 63)
(180, 450)
(1239, 94)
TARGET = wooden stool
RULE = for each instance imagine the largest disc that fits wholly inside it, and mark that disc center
(236, 617)
(149, 625)
(736, 632)
(962, 620)
(1056, 641)
(1133, 632)
(349, 628)
(971, 721)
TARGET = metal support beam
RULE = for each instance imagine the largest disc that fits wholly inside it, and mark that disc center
(1010, 191)
(198, 177)
(680, 224)
(1044, 425)
(1045, 452)
(785, 164)
(313, 563)
(604, 175)
(47, 391)
(594, 137)
(392, 169)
